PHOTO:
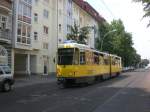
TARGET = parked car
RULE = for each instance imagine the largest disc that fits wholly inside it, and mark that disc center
(6, 78)
(128, 69)
(147, 67)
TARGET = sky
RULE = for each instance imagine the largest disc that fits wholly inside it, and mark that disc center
(131, 14)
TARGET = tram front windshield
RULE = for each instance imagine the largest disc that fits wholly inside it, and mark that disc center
(65, 56)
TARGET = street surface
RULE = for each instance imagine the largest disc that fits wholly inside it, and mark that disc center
(129, 92)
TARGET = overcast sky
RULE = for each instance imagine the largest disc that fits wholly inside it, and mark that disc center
(131, 14)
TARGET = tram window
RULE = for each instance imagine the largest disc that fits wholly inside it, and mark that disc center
(116, 61)
(82, 58)
(65, 56)
(1, 72)
(113, 62)
(101, 60)
(96, 59)
(106, 61)
(76, 57)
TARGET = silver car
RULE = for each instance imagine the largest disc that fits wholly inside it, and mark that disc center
(6, 78)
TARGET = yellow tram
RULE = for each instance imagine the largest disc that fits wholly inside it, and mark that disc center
(79, 63)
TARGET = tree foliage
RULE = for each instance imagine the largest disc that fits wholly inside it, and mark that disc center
(144, 63)
(74, 34)
(146, 8)
(78, 34)
(103, 29)
(118, 42)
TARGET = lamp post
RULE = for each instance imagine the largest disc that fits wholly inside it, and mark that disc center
(106, 36)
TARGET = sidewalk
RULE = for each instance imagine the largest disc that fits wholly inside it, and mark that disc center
(33, 80)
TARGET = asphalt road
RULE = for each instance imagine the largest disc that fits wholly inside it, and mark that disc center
(129, 92)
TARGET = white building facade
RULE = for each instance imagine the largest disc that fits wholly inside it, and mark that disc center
(35, 37)
(44, 29)
(39, 26)
(65, 20)
(78, 12)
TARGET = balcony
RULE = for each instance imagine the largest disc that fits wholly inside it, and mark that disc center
(5, 36)
(6, 5)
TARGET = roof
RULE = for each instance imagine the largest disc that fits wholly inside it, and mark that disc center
(89, 9)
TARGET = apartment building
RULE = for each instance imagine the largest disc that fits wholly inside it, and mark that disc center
(85, 15)
(80, 13)
(65, 20)
(40, 25)
(35, 36)
(22, 42)
(44, 29)
(5, 32)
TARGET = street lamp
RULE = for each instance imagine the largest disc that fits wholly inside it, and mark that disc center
(106, 36)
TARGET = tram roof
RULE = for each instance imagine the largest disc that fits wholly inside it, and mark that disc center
(73, 45)
(80, 46)
(84, 47)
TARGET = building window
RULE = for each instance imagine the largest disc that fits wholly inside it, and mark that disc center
(45, 13)
(45, 30)
(28, 31)
(81, 20)
(35, 17)
(46, 1)
(69, 13)
(19, 29)
(70, 1)
(59, 40)
(45, 45)
(36, 2)
(35, 35)
(24, 22)
(59, 27)
(24, 33)
(28, 1)
(24, 12)
(3, 22)
(68, 28)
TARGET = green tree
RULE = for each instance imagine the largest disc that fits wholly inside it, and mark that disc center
(146, 8)
(103, 29)
(83, 35)
(144, 63)
(74, 34)
(80, 35)
(118, 42)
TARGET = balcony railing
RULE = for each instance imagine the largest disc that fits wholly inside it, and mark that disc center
(5, 35)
